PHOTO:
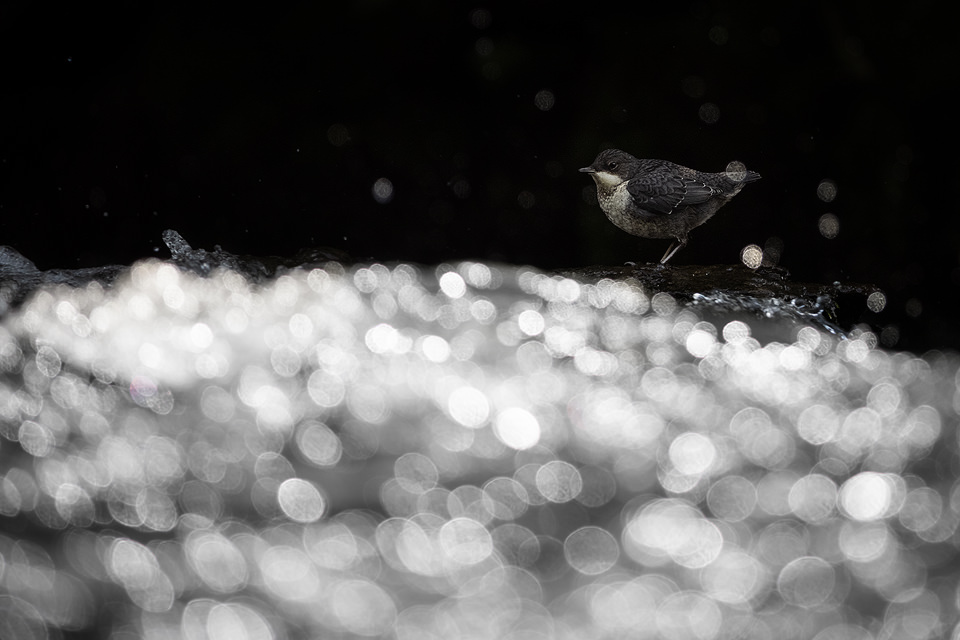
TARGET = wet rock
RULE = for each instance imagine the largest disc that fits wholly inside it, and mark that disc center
(19, 277)
(256, 268)
(767, 292)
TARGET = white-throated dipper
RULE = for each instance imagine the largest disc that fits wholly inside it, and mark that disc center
(660, 199)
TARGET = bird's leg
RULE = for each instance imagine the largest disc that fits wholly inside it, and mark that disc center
(672, 249)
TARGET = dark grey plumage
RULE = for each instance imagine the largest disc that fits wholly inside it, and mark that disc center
(660, 199)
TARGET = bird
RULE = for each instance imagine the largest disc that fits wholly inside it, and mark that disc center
(661, 199)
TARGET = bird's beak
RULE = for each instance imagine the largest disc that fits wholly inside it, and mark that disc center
(588, 170)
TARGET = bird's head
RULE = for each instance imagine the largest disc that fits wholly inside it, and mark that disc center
(611, 168)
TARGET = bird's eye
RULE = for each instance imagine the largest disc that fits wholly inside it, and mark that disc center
(612, 166)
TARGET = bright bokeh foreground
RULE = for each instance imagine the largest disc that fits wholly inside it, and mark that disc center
(463, 452)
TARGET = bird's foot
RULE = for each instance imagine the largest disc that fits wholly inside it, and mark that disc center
(672, 249)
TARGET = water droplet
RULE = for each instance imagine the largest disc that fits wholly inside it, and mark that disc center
(709, 113)
(751, 256)
(827, 190)
(382, 191)
(829, 226)
(544, 100)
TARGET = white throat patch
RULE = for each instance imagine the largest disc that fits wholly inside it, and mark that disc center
(607, 179)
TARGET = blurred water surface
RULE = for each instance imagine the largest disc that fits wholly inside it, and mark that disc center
(463, 451)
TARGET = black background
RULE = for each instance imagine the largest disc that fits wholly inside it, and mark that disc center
(263, 129)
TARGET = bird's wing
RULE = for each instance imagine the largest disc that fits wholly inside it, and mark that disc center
(663, 191)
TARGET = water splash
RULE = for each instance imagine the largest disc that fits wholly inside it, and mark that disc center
(469, 450)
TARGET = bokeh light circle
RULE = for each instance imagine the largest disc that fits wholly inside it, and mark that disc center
(301, 501)
(807, 582)
(591, 550)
